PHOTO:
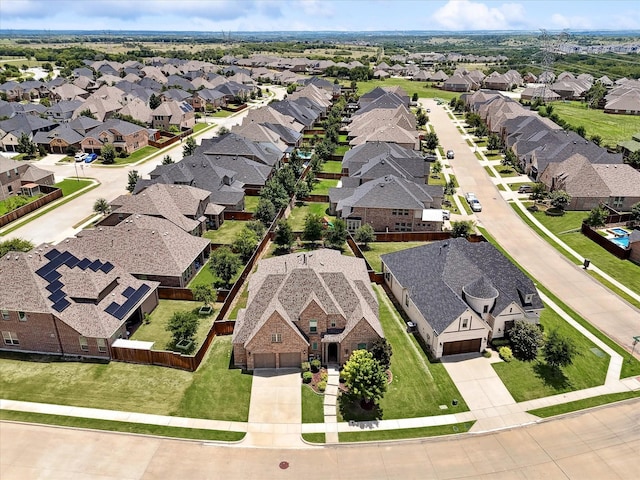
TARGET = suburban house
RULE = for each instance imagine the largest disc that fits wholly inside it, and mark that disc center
(23, 123)
(14, 174)
(55, 301)
(303, 306)
(460, 294)
(149, 248)
(389, 204)
(59, 139)
(593, 184)
(125, 136)
(175, 114)
(186, 207)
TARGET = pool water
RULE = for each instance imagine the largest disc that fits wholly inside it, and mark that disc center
(619, 231)
(621, 241)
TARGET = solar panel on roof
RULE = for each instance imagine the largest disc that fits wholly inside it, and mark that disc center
(42, 271)
(144, 288)
(128, 291)
(51, 254)
(121, 312)
(61, 305)
(52, 276)
(95, 265)
(72, 261)
(84, 263)
(56, 296)
(55, 285)
(112, 308)
(107, 267)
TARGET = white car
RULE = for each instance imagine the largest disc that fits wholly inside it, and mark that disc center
(476, 206)
(470, 197)
(80, 156)
(446, 214)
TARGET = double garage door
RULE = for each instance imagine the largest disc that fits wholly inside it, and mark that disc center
(462, 346)
(268, 360)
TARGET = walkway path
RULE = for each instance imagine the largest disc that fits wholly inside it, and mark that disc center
(330, 405)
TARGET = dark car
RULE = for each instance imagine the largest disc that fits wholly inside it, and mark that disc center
(525, 189)
(450, 154)
(90, 158)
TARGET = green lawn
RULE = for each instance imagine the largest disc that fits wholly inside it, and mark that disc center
(437, 180)
(582, 404)
(465, 205)
(322, 186)
(155, 330)
(206, 277)
(312, 410)
(529, 380)
(227, 232)
(215, 391)
(12, 203)
(332, 166)
(409, 86)
(516, 186)
(624, 271)
(403, 433)
(341, 150)
(298, 214)
(241, 303)
(418, 387)
(136, 156)
(314, 437)
(220, 114)
(342, 138)
(506, 172)
(612, 128)
(251, 204)
(489, 171)
(380, 248)
(72, 185)
(125, 427)
(501, 187)
(453, 208)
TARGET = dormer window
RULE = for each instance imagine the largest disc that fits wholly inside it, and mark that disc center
(528, 298)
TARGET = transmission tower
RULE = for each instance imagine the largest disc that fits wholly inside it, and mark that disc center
(550, 46)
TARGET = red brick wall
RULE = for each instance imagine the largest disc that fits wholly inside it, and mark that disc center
(361, 333)
(382, 218)
(36, 334)
(261, 342)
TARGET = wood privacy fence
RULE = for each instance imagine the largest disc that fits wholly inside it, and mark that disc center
(51, 194)
(330, 176)
(173, 138)
(609, 246)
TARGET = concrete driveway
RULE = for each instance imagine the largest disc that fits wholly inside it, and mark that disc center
(595, 303)
(275, 412)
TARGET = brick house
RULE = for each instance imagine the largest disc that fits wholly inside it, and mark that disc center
(54, 302)
(460, 294)
(315, 305)
(125, 137)
(16, 173)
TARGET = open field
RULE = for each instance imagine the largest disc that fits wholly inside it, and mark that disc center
(409, 86)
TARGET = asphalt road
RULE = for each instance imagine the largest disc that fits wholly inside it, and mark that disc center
(597, 304)
(58, 224)
(600, 444)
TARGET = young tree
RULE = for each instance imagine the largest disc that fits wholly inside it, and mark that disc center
(87, 113)
(431, 141)
(421, 118)
(256, 226)
(633, 159)
(108, 153)
(101, 206)
(560, 199)
(482, 130)
(365, 378)
(510, 159)
(414, 97)
(224, 264)
(154, 101)
(183, 326)
(526, 338)
(245, 244)
(450, 187)
(463, 228)
(284, 236)
(365, 235)
(203, 293)
(223, 131)
(302, 191)
(265, 212)
(597, 217)
(276, 192)
(539, 191)
(167, 160)
(313, 228)
(559, 351)
(337, 234)
(436, 168)
(26, 146)
(132, 179)
(189, 147)
(15, 245)
(493, 142)
(382, 352)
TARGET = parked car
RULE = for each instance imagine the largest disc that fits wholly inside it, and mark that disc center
(446, 214)
(525, 189)
(428, 110)
(476, 206)
(80, 156)
(450, 154)
(90, 158)
(470, 197)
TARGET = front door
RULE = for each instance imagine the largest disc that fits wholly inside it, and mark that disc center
(332, 353)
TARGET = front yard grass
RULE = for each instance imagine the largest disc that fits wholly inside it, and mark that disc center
(418, 387)
(489, 170)
(529, 380)
(314, 437)
(437, 180)
(227, 232)
(299, 213)
(465, 205)
(322, 186)
(136, 156)
(72, 185)
(576, 405)
(124, 427)
(312, 408)
(404, 433)
(331, 166)
(380, 248)
(155, 331)
(506, 172)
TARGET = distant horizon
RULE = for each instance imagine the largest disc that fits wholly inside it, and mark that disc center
(330, 16)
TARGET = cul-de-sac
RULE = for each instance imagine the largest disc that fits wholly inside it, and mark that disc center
(321, 239)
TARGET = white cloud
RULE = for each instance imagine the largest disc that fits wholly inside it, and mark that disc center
(468, 15)
(574, 22)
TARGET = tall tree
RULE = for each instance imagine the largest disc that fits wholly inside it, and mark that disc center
(382, 352)
(284, 236)
(365, 235)
(15, 245)
(463, 228)
(224, 264)
(313, 228)
(365, 379)
(203, 293)
(597, 217)
(266, 211)
(154, 101)
(132, 179)
(245, 244)
(26, 146)
(167, 160)
(108, 153)
(337, 234)
(526, 338)
(189, 147)
(559, 351)
(431, 141)
(101, 206)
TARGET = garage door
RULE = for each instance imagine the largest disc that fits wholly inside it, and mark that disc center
(288, 360)
(462, 346)
(264, 360)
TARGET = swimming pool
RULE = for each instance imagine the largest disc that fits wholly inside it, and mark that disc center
(618, 231)
(621, 241)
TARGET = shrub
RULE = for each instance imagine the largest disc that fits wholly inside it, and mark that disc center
(324, 376)
(500, 342)
(505, 354)
(526, 338)
(305, 367)
(341, 377)
(487, 354)
(315, 365)
(307, 377)
(322, 386)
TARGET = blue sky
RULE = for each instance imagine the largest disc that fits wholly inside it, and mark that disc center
(344, 15)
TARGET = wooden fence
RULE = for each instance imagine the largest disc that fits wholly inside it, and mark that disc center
(317, 198)
(173, 138)
(608, 245)
(330, 176)
(238, 215)
(53, 194)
